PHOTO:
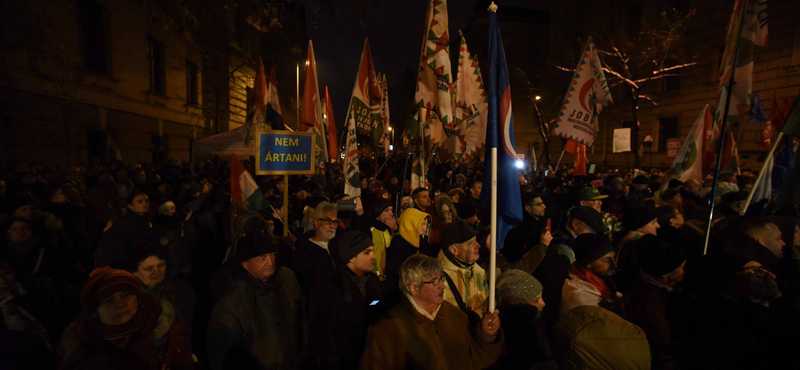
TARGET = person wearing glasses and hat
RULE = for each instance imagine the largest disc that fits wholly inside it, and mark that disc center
(425, 331)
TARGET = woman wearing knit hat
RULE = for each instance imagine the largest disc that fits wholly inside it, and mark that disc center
(520, 309)
(122, 325)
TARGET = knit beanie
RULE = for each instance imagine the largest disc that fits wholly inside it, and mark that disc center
(517, 287)
(656, 257)
(589, 248)
(636, 217)
(350, 243)
(254, 244)
(105, 281)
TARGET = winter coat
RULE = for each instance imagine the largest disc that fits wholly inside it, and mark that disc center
(381, 240)
(407, 243)
(627, 259)
(594, 338)
(405, 339)
(339, 315)
(178, 293)
(262, 323)
(523, 238)
(312, 263)
(471, 283)
(553, 271)
(129, 231)
(160, 340)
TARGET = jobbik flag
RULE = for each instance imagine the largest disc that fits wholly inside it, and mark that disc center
(500, 135)
(434, 79)
(471, 104)
(364, 110)
(586, 97)
(688, 163)
(311, 113)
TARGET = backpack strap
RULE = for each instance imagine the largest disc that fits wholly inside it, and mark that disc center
(456, 294)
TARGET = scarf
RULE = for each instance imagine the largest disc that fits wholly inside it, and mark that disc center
(148, 310)
(586, 274)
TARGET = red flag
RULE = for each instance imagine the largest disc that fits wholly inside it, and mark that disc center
(580, 159)
(333, 142)
(571, 147)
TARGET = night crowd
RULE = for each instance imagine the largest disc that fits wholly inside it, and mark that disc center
(115, 266)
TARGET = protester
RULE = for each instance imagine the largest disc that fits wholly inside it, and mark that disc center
(149, 265)
(532, 233)
(412, 238)
(261, 319)
(342, 308)
(591, 337)
(589, 282)
(129, 232)
(425, 331)
(122, 325)
(466, 282)
(655, 300)
(639, 221)
(521, 304)
(382, 228)
(313, 259)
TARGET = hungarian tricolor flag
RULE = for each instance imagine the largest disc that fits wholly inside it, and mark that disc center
(311, 114)
(274, 117)
(245, 194)
(471, 105)
(330, 127)
(433, 97)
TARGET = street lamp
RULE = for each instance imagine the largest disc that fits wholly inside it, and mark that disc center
(537, 97)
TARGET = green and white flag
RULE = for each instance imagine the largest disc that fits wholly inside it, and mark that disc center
(470, 105)
(434, 102)
(688, 163)
(352, 177)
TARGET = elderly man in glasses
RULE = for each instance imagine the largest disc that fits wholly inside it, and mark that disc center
(425, 332)
(312, 259)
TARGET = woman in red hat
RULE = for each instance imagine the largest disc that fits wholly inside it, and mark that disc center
(122, 327)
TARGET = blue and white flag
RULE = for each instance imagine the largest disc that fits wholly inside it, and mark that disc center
(500, 135)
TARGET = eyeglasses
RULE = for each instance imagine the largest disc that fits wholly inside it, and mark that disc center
(328, 221)
(435, 281)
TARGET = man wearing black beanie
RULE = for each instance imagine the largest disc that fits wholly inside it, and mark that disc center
(589, 282)
(342, 308)
(260, 315)
(654, 296)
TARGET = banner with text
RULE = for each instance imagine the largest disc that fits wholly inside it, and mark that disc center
(285, 153)
(622, 140)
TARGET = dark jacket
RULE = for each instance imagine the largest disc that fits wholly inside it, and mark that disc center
(312, 263)
(339, 315)
(129, 231)
(258, 323)
(178, 293)
(554, 270)
(525, 339)
(522, 238)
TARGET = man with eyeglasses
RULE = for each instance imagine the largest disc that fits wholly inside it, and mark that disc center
(312, 258)
(425, 331)
(532, 234)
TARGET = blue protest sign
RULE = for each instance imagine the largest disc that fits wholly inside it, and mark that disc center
(285, 153)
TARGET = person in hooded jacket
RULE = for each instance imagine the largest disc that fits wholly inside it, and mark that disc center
(382, 227)
(412, 238)
(122, 323)
(342, 308)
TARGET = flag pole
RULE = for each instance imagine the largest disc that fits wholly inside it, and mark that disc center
(761, 173)
(421, 148)
(559, 160)
(493, 205)
(723, 130)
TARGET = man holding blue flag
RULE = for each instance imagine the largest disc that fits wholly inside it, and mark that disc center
(500, 154)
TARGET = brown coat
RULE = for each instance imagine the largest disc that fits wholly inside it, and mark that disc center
(405, 339)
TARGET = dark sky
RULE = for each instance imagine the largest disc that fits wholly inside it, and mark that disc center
(395, 29)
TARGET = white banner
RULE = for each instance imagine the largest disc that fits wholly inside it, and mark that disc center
(622, 140)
